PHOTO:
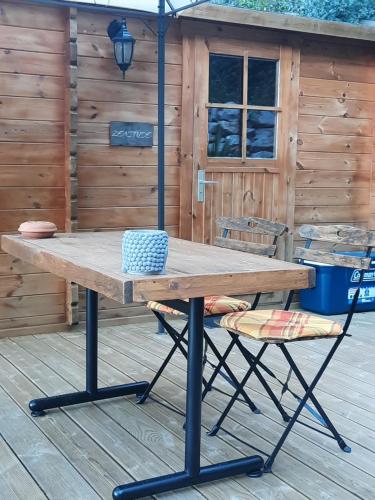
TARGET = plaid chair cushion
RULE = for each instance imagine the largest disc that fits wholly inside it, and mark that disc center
(213, 304)
(279, 326)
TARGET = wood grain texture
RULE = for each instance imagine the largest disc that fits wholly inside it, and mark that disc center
(331, 196)
(334, 143)
(332, 161)
(126, 92)
(21, 108)
(31, 16)
(104, 112)
(193, 270)
(32, 305)
(31, 176)
(328, 106)
(97, 197)
(32, 40)
(31, 154)
(21, 85)
(31, 131)
(331, 258)
(319, 124)
(48, 197)
(245, 246)
(336, 89)
(336, 214)
(97, 46)
(11, 219)
(252, 225)
(30, 284)
(91, 155)
(338, 233)
(116, 176)
(118, 217)
(100, 68)
(35, 63)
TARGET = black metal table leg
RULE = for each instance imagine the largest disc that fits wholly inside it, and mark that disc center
(193, 473)
(92, 393)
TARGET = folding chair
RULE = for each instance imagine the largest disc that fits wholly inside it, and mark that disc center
(217, 306)
(280, 327)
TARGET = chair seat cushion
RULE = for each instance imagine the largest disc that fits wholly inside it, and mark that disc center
(213, 305)
(280, 326)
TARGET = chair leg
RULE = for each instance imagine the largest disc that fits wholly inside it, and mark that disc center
(231, 375)
(218, 368)
(178, 339)
(250, 358)
(176, 345)
(271, 458)
(219, 423)
(329, 424)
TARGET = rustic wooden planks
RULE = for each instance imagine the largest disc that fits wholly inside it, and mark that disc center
(336, 126)
(31, 154)
(33, 366)
(93, 260)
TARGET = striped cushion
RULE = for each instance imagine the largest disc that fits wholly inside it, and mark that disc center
(213, 304)
(279, 326)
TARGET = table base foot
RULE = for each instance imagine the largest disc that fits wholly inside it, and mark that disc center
(37, 406)
(139, 489)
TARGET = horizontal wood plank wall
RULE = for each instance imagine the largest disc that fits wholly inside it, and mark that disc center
(335, 132)
(31, 157)
(118, 186)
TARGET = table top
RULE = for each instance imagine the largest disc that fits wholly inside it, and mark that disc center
(93, 260)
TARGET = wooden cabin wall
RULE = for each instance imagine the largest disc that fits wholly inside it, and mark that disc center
(31, 157)
(335, 132)
(118, 186)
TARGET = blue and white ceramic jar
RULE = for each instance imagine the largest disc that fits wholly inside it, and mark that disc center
(144, 251)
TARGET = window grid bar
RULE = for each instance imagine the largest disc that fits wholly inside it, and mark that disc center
(243, 106)
(244, 102)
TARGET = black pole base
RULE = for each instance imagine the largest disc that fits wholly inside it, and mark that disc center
(344, 446)
(37, 406)
(179, 480)
(38, 413)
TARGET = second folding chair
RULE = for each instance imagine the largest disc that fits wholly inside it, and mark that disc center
(281, 327)
(217, 306)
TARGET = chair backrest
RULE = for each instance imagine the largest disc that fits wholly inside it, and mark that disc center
(343, 235)
(253, 225)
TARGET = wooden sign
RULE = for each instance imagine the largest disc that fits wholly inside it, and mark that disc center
(131, 134)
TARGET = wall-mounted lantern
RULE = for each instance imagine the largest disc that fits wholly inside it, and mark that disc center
(123, 44)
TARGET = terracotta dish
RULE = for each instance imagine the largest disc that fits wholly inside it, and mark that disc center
(37, 229)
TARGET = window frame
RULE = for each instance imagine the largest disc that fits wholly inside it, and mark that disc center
(246, 50)
(245, 107)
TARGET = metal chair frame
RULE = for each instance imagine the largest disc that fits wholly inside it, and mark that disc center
(342, 235)
(252, 225)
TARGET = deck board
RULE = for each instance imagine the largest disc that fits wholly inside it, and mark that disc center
(96, 446)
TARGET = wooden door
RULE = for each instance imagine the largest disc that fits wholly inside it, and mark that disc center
(251, 173)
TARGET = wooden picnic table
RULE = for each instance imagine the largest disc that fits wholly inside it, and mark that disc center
(93, 260)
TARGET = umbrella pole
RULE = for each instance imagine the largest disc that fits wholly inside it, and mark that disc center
(161, 121)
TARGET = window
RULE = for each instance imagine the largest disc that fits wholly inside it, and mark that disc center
(243, 107)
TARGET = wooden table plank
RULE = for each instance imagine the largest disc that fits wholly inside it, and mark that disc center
(93, 260)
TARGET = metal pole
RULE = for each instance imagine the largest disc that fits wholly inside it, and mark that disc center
(161, 121)
(194, 387)
(91, 341)
(161, 117)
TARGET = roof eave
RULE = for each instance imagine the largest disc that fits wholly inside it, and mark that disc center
(277, 21)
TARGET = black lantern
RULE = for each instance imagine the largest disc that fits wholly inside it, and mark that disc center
(123, 44)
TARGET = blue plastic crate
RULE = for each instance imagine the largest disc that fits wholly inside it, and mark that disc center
(335, 288)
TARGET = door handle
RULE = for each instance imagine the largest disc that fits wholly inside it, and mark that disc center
(201, 185)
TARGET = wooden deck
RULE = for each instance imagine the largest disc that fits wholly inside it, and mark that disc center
(83, 452)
